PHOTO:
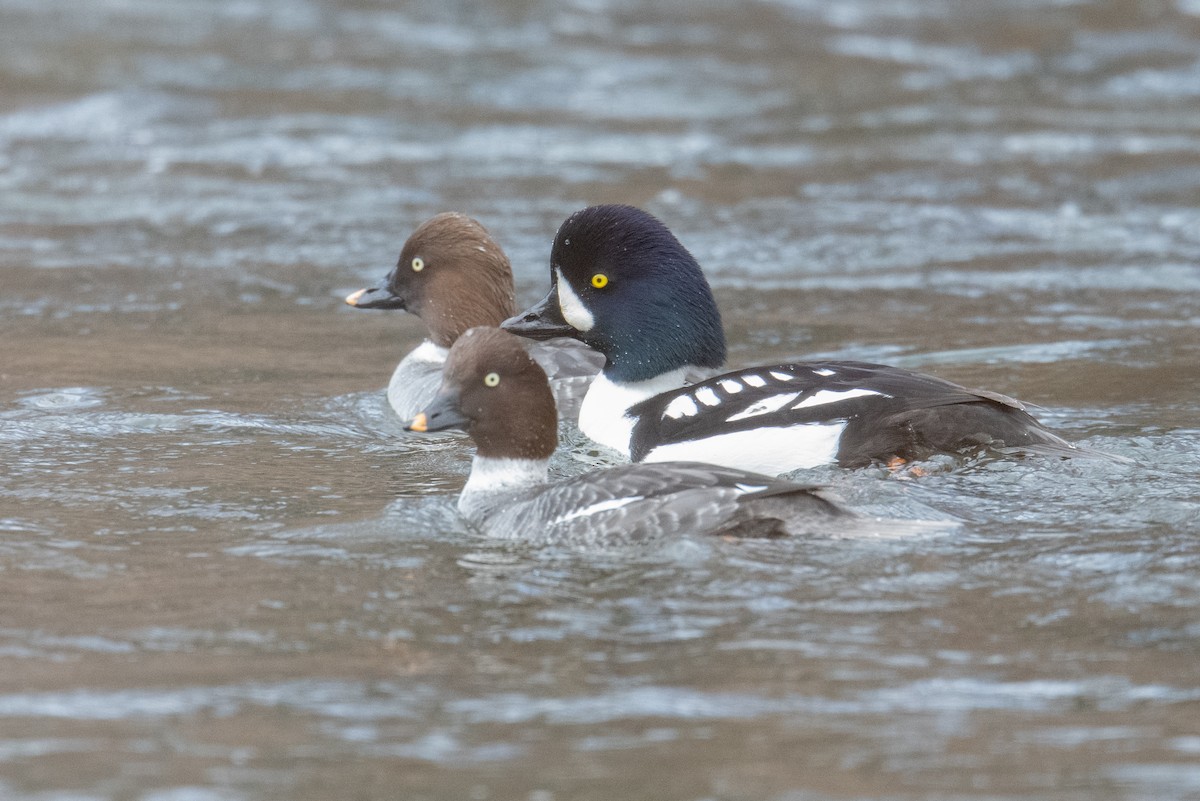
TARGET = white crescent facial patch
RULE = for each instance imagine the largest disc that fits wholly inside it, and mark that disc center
(572, 308)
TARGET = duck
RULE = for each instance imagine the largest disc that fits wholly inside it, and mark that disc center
(453, 275)
(623, 284)
(500, 396)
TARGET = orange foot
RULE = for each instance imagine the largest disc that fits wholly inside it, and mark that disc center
(896, 463)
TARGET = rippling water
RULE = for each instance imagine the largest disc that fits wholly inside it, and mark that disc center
(228, 574)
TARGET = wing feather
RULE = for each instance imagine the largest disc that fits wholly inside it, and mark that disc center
(637, 502)
(786, 395)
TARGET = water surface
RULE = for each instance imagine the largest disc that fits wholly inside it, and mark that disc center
(228, 574)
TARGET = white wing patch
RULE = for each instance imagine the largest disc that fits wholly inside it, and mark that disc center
(746, 489)
(833, 396)
(731, 386)
(706, 396)
(683, 406)
(754, 380)
(825, 371)
(778, 376)
(596, 508)
(765, 406)
(572, 308)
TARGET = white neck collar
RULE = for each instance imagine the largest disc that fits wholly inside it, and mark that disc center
(492, 474)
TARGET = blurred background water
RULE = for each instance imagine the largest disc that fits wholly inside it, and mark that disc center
(226, 573)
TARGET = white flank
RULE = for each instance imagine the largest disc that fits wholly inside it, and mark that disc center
(754, 380)
(706, 396)
(683, 406)
(763, 450)
(602, 414)
(572, 308)
(489, 474)
(596, 508)
(778, 376)
(824, 371)
(731, 386)
(765, 406)
(832, 396)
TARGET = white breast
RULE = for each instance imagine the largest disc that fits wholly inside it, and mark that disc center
(602, 416)
(416, 380)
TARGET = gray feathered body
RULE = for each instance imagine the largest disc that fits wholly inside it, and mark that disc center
(641, 502)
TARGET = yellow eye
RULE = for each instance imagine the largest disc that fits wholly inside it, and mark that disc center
(491, 379)
(418, 264)
(599, 280)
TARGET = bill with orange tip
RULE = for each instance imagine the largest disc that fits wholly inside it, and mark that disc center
(493, 388)
(453, 276)
(379, 296)
(442, 414)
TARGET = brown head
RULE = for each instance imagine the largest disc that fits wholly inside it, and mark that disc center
(451, 274)
(498, 394)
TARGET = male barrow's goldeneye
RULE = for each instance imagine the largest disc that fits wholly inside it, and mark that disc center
(623, 284)
(453, 275)
(501, 397)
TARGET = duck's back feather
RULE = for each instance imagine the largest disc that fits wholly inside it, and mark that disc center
(638, 502)
(888, 412)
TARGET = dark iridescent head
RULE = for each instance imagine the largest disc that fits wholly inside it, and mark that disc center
(622, 283)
